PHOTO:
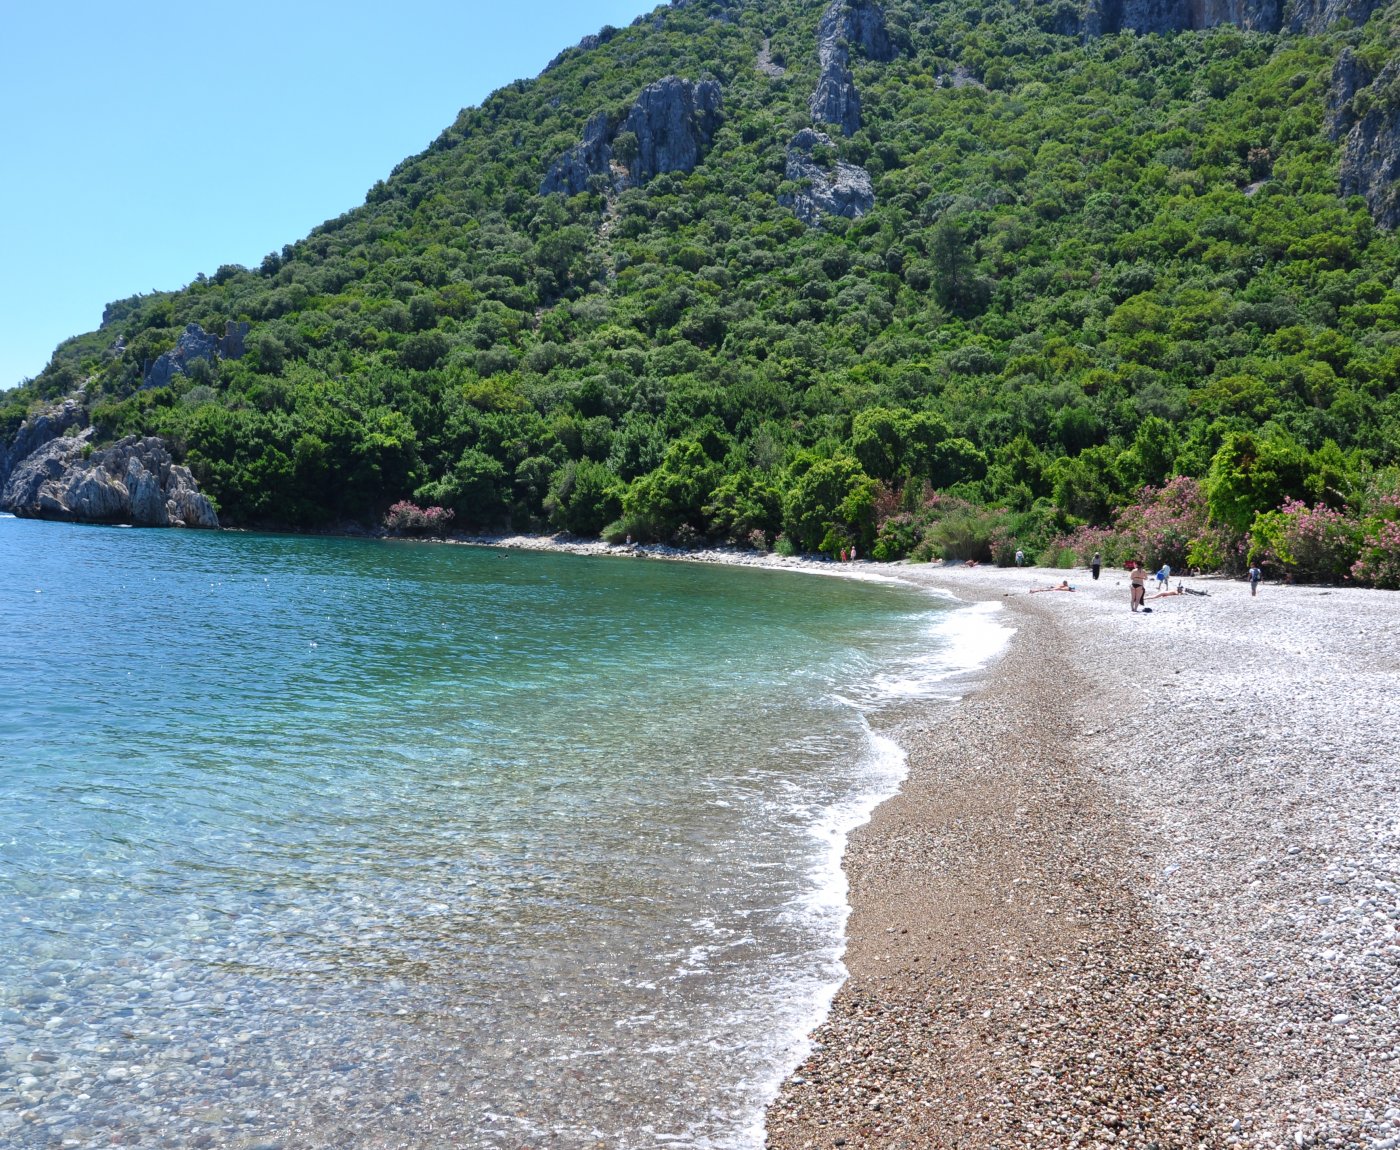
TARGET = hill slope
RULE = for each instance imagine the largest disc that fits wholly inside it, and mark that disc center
(911, 276)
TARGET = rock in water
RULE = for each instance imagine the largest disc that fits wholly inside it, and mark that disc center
(133, 481)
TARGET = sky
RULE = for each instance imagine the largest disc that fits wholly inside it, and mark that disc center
(144, 143)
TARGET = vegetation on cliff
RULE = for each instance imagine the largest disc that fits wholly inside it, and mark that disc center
(1090, 268)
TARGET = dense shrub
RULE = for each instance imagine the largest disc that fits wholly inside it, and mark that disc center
(1314, 544)
(405, 518)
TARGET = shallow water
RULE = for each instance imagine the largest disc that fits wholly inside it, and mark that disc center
(328, 842)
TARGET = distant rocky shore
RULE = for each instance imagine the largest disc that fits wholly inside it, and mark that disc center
(52, 470)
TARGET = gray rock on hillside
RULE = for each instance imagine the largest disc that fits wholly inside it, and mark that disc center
(843, 25)
(1105, 17)
(835, 189)
(571, 172)
(836, 100)
(133, 481)
(34, 433)
(1314, 16)
(1371, 150)
(673, 122)
(194, 343)
(862, 25)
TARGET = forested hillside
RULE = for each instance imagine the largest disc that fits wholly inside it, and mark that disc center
(936, 279)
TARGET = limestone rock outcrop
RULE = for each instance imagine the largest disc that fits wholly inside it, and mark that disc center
(843, 25)
(194, 343)
(829, 189)
(133, 481)
(1314, 16)
(37, 431)
(1105, 17)
(571, 172)
(1364, 114)
(671, 126)
(836, 100)
(674, 121)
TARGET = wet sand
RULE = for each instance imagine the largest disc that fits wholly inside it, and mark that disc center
(1140, 889)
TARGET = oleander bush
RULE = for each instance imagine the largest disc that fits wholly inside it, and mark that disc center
(405, 518)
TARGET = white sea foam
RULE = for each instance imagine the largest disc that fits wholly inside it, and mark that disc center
(952, 646)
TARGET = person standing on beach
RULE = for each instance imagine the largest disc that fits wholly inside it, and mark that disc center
(1254, 576)
(1164, 577)
(1137, 586)
(1094, 564)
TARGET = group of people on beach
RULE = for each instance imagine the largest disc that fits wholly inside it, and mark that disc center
(1137, 583)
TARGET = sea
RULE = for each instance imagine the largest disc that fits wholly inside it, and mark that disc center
(351, 843)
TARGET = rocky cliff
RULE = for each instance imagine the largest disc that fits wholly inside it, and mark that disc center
(1364, 113)
(1105, 17)
(1314, 16)
(195, 344)
(674, 122)
(668, 129)
(828, 187)
(571, 172)
(845, 25)
(36, 432)
(48, 472)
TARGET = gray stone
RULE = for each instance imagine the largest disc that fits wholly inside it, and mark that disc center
(232, 346)
(1105, 17)
(37, 431)
(674, 121)
(1349, 76)
(836, 100)
(861, 23)
(1371, 150)
(843, 26)
(144, 496)
(1315, 16)
(571, 172)
(133, 481)
(194, 343)
(835, 189)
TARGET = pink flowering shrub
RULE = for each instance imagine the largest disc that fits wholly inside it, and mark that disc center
(1169, 524)
(1378, 562)
(405, 518)
(1312, 543)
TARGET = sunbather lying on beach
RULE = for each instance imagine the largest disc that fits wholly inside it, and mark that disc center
(1168, 594)
(1063, 586)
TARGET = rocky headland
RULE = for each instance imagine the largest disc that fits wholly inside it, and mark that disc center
(52, 470)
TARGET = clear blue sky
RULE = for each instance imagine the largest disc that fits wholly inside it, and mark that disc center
(143, 143)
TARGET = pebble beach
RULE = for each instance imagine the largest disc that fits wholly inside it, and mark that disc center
(1140, 888)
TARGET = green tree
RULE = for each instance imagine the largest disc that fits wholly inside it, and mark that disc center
(1252, 473)
(826, 496)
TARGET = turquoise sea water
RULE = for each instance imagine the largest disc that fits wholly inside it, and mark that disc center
(346, 843)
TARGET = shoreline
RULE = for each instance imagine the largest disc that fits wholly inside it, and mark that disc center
(1139, 888)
